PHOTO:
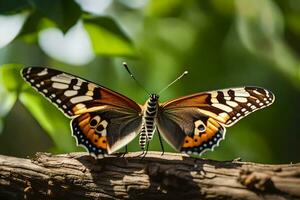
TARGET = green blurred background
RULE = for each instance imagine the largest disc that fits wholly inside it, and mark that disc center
(222, 43)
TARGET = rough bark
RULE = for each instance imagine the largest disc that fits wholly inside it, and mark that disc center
(171, 176)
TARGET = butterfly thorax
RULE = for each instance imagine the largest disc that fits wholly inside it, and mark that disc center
(149, 119)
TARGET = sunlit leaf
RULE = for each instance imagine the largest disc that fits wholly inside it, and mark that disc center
(10, 77)
(65, 13)
(50, 119)
(7, 101)
(10, 84)
(108, 38)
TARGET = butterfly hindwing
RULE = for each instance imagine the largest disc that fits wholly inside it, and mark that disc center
(190, 131)
(86, 133)
(207, 134)
(105, 131)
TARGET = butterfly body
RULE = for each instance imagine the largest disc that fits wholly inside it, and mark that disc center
(103, 121)
(149, 120)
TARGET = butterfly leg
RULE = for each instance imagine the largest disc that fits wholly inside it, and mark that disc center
(146, 151)
(161, 143)
(122, 154)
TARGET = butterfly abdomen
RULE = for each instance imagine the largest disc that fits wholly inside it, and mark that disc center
(148, 127)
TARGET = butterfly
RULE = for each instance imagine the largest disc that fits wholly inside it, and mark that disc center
(103, 121)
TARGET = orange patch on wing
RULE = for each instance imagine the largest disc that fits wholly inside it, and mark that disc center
(212, 128)
(84, 124)
(100, 142)
(83, 117)
(188, 142)
(90, 134)
(95, 138)
(197, 140)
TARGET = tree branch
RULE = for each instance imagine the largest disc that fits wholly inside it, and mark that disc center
(172, 176)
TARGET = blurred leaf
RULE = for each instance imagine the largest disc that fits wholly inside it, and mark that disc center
(31, 25)
(292, 20)
(50, 119)
(225, 7)
(259, 23)
(10, 84)
(164, 7)
(107, 37)
(12, 6)
(65, 13)
(10, 77)
(7, 101)
(260, 27)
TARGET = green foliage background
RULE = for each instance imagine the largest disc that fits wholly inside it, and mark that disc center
(222, 43)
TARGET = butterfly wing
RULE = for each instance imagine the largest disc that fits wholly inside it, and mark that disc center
(197, 122)
(84, 101)
(74, 95)
(105, 131)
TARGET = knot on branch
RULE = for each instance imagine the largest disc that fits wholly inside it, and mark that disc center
(256, 181)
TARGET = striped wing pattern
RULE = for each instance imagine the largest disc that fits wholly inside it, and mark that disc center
(69, 93)
(230, 105)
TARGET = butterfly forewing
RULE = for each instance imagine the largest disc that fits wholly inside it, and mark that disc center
(227, 106)
(74, 95)
(215, 109)
(86, 102)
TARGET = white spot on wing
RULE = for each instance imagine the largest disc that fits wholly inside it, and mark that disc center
(242, 94)
(60, 85)
(232, 103)
(222, 107)
(256, 92)
(79, 99)
(62, 78)
(227, 98)
(75, 87)
(44, 72)
(240, 99)
(70, 93)
(224, 115)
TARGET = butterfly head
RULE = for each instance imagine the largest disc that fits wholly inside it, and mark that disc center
(154, 97)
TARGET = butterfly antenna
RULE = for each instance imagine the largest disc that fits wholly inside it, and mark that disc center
(129, 72)
(178, 78)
